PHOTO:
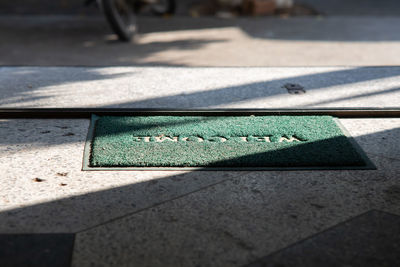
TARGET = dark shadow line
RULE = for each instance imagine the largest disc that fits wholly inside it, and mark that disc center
(160, 203)
(348, 220)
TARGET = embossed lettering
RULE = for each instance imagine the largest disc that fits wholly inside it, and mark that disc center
(166, 138)
(217, 139)
(286, 139)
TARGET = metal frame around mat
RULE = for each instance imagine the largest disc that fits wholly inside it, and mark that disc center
(87, 150)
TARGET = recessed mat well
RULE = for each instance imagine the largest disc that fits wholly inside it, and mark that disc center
(220, 143)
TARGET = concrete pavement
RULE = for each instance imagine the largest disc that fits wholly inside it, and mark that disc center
(172, 218)
(54, 213)
(182, 218)
(184, 41)
(198, 87)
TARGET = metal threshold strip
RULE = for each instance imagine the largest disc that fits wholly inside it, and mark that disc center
(81, 113)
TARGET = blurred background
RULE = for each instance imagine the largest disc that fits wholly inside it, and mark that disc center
(328, 7)
(202, 33)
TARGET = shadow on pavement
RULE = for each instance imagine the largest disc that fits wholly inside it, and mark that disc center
(88, 212)
(29, 84)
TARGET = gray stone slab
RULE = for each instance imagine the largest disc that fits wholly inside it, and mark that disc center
(43, 189)
(238, 221)
(371, 239)
(243, 219)
(161, 87)
(180, 218)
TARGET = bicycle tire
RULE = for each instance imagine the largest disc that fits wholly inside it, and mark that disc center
(123, 24)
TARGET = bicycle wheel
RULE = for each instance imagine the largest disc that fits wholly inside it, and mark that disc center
(163, 7)
(121, 16)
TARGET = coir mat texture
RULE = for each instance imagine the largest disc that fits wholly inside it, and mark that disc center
(221, 143)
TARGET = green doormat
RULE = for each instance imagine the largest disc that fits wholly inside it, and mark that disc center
(221, 142)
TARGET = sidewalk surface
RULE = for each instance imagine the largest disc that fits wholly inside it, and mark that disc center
(183, 41)
(177, 87)
(172, 218)
(49, 206)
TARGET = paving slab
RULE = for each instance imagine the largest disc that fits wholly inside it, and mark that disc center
(186, 218)
(45, 191)
(370, 239)
(181, 218)
(237, 221)
(208, 87)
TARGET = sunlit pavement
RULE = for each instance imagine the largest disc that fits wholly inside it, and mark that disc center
(156, 218)
(211, 87)
(181, 218)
